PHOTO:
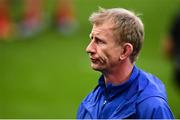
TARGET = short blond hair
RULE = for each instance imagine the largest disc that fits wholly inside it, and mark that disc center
(127, 26)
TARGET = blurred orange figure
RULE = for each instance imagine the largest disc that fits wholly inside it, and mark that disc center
(65, 16)
(5, 19)
(32, 17)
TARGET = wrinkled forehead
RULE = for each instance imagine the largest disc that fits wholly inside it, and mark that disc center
(105, 28)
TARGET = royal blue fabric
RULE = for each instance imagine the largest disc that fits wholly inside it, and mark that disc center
(143, 96)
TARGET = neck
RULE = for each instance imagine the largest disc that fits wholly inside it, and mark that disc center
(119, 74)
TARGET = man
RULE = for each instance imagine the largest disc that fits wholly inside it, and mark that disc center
(124, 91)
(171, 46)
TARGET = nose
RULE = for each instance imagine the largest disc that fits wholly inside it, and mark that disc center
(90, 48)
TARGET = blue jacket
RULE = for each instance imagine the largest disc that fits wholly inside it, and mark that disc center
(143, 96)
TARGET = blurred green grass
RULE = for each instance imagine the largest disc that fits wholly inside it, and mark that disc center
(47, 76)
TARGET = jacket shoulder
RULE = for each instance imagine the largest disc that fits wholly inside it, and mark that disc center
(154, 108)
(152, 99)
(150, 86)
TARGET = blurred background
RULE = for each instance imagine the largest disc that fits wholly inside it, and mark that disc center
(44, 69)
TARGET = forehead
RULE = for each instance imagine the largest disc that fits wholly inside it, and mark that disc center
(103, 29)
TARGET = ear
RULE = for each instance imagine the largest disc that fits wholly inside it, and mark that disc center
(127, 49)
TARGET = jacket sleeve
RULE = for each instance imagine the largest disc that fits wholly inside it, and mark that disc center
(82, 113)
(79, 112)
(154, 108)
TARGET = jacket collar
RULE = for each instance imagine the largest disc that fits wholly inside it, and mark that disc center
(110, 90)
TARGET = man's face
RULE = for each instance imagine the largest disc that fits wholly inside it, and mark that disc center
(103, 49)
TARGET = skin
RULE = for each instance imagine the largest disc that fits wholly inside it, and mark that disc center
(108, 56)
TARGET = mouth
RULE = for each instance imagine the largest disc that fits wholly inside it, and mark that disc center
(94, 60)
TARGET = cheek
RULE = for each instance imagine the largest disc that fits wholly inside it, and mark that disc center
(112, 55)
(108, 54)
(105, 55)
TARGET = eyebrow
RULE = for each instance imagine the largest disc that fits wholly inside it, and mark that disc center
(96, 37)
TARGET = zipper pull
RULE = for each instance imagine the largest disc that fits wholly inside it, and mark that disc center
(105, 102)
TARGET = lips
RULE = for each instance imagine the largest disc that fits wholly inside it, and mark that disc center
(94, 60)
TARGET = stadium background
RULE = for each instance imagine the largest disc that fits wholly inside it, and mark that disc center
(48, 75)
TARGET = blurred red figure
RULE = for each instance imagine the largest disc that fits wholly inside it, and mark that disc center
(65, 16)
(5, 19)
(32, 17)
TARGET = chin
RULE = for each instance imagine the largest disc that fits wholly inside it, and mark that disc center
(96, 67)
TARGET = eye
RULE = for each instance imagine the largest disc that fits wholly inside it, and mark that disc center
(99, 41)
(91, 37)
